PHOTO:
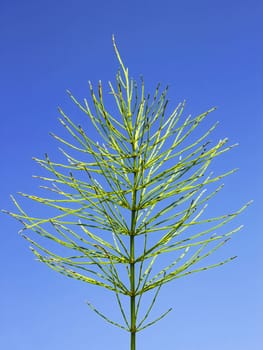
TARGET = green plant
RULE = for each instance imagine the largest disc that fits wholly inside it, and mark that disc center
(133, 198)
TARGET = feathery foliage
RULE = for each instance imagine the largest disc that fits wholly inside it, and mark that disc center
(133, 197)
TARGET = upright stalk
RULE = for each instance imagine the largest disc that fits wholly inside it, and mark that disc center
(132, 296)
(132, 258)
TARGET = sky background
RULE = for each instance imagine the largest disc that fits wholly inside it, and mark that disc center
(210, 53)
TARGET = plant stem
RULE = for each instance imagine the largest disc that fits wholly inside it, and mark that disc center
(132, 297)
(132, 257)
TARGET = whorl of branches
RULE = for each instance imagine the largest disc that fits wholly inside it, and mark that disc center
(145, 179)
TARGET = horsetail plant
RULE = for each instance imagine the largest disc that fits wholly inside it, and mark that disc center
(127, 208)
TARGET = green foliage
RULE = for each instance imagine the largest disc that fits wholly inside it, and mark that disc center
(135, 196)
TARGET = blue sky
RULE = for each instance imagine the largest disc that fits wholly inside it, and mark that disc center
(210, 53)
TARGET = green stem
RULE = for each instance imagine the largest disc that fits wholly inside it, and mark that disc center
(132, 297)
(132, 258)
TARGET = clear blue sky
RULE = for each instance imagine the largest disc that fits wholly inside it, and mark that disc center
(210, 53)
